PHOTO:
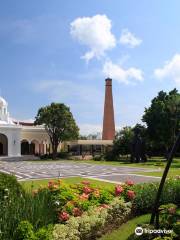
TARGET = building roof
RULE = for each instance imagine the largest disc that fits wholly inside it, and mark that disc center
(90, 142)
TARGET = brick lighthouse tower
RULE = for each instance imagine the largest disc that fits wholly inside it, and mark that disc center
(108, 121)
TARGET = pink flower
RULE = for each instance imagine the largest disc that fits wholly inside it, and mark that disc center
(172, 210)
(77, 212)
(85, 182)
(64, 216)
(84, 196)
(50, 184)
(129, 182)
(103, 206)
(131, 194)
(118, 190)
(87, 190)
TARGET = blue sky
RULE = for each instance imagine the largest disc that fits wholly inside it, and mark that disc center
(63, 50)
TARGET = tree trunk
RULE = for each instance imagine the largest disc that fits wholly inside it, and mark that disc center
(54, 148)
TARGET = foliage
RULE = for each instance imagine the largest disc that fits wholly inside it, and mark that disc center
(146, 193)
(59, 124)
(92, 223)
(122, 144)
(9, 187)
(163, 119)
(16, 206)
(44, 233)
(24, 231)
(168, 215)
(168, 220)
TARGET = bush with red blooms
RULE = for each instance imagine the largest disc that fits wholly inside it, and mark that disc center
(118, 190)
(73, 200)
(131, 194)
(63, 216)
(129, 182)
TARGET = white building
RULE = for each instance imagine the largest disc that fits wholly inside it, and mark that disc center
(20, 138)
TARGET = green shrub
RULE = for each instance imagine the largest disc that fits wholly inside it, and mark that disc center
(9, 187)
(93, 222)
(99, 157)
(44, 233)
(16, 205)
(118, 211)
(146, 193)
(176, 228)
(24, 231)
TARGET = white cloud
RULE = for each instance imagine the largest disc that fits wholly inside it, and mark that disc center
(127, 76)
(171, 69)
(94, 32)
(127, 38)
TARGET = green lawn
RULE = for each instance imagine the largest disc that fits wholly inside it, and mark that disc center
(172, 173)
(35, 184)
(126, 229)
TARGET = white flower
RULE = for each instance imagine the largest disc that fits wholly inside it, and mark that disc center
(57, 203)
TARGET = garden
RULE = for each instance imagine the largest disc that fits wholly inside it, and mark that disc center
(84, 210)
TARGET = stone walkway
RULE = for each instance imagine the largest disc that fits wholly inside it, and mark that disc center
(25, 170)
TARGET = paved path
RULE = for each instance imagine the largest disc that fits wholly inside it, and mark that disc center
(25, 170)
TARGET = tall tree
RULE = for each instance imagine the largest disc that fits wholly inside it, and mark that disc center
(122, 142)
(163, 119)
(59, 124)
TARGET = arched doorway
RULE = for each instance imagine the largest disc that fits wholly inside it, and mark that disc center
(3, 145)
(25, 147)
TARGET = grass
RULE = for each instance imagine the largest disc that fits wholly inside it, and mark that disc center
(126, 229)
(172, 173)
(35, 184)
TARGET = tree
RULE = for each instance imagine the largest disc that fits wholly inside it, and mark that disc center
(59, 124)
(122, 142)
(163, 119)
(138, 144)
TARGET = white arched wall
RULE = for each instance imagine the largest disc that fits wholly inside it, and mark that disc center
(13, 135)
(37, 135)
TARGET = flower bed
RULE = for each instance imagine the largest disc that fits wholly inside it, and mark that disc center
(79, 211)
(76, 199)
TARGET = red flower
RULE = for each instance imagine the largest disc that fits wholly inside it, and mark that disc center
(63, 216)
(131, 194)
(50, 184)
(118, 190)
(77, 212)
(87, 190)
(129, 182)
